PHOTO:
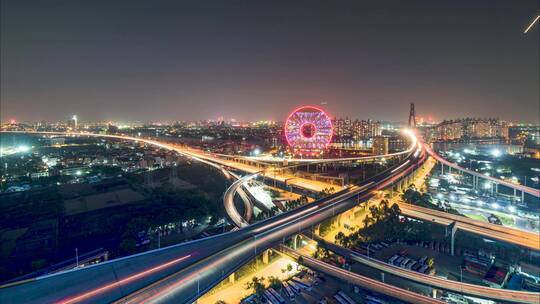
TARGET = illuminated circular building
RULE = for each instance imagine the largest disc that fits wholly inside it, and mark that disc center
(308, 130)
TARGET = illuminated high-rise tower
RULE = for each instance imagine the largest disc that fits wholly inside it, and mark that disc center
(412, 116)
(72, 122)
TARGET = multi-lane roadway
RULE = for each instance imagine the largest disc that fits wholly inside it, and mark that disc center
(532, 191)
(506, 234)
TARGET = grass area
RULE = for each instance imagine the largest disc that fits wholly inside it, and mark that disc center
(8, 239)
(477, 217)
(506, 220)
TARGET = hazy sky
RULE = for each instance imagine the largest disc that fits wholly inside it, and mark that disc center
(185, 60)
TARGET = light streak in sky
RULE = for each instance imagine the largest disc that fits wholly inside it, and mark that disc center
(531, 24)
(94, 292)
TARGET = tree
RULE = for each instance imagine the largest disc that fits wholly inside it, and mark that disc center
(274, 282)
(128, 245)
(257, 285)
(289, 267)
(321, 253)
(339, 237)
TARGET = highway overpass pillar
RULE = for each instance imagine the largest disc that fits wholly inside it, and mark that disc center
(316, 229)
(232, 278)
(294, 241)
(338, 220)
(265, 256)
(451, 232)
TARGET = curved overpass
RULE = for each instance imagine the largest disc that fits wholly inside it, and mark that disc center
(532, 191)
(228, 197)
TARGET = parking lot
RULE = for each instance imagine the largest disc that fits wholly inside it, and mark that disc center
(322, 289)
(444, 265)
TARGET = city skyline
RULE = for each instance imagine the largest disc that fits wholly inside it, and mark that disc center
(192, 61)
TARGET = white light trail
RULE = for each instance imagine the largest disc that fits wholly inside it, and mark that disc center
(531, 25)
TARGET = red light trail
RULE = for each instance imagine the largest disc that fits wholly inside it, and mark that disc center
(94, 292)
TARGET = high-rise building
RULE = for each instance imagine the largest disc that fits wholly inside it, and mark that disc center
(73, 122)
(380, 145)
(356, 129)
(470, 128)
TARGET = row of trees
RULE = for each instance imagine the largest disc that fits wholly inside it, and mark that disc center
(325, 192)
(413, 196)
(170, 206)
(293, 204)
(258, 286)
(267, 214)
(384, 222)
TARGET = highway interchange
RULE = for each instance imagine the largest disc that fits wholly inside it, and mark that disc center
(181, 273)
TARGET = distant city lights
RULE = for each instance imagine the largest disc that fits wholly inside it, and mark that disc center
(23, 148)
(496, 153)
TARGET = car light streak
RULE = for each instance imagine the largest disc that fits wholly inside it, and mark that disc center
(283, 220)
(94, 292)
(400, 166)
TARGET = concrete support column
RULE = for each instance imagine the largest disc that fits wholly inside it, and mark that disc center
(316, 229)
(265, 256)
(338, 220)
(232, 278)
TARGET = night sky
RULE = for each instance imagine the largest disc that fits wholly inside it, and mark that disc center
(251, 60)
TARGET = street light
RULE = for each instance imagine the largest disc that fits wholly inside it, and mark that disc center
(496, 152)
